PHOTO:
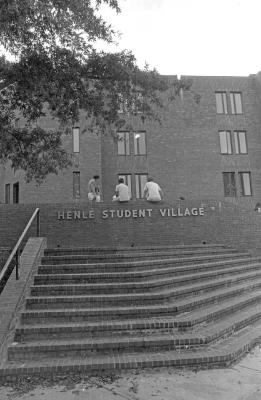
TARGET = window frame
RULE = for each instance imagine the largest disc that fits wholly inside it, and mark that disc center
(138, 183)
(242, 183)
(76, 185)
(7, 193)
(237, 142)
(76, 139)
(137, 146)
(128, 181)
(16, 193)
(229, 147)
(223, 102)
(229, 193)
(233, 103)
(125, 141)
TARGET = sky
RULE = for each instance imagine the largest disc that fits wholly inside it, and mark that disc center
(191, 37)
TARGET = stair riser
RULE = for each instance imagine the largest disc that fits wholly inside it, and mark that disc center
(94, 317)
(131, 256)
(133, 313)
(117, 291)
(14, 353)
(129, 296)
(45, 274)
(108, 330)
(122, 250)
(68, 352)
(140, 267)
(138, 287)
(69, 302)
(133, 259)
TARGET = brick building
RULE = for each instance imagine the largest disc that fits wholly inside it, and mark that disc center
(204, 149)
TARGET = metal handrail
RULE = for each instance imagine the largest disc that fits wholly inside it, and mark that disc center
(15, 251)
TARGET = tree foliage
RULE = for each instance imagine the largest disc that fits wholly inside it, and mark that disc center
(58, 72)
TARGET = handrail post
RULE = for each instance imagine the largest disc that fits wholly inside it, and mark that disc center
(17, 262)
(16, 252)
(38, 224)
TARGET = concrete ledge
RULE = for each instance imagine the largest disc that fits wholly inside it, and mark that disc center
(13, 296)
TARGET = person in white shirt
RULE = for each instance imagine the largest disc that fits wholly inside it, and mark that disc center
(152, 191)
(121, 192)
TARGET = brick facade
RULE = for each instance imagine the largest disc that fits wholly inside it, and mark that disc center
(183, 152)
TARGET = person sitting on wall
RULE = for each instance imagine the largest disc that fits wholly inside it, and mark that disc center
(152, 191)
(121, 192)
(94, 193)
(258, 207)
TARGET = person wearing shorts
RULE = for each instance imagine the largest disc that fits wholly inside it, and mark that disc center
(121, 192)
(152, 191)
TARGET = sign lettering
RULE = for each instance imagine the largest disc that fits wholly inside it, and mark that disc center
(130, 213)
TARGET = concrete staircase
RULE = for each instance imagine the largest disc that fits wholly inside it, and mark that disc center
(106, 309)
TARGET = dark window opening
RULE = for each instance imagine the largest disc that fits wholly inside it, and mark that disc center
(123, 143)
(76, 185)
(16, 193)
(229, 181)
(7, 193)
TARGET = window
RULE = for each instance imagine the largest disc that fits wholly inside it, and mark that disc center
(122, 104)
(7, 193)
(127, 181)
(240, 142)
(137, 106)
(140, 181)
(76, 140)
(76, 147)
(225, 142)
(221, 102)
(236, 103)
(139, 143)
(240, 145)
(229, 181)
(16, 193)
(245, 183)
(133, 105)
(76, 185)
(123, 143)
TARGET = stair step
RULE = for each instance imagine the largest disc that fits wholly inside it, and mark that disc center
(220, 354)
(41, 281)
(86, 347)
(109, 327)
(75, 258)
(136, 311)
(70, 293)
(91, 309)
(113, 250)
(143, 265)
(127, 275)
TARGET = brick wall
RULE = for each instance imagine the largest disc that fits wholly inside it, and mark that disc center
(58, 188)
(222, 222)
(183, 152)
